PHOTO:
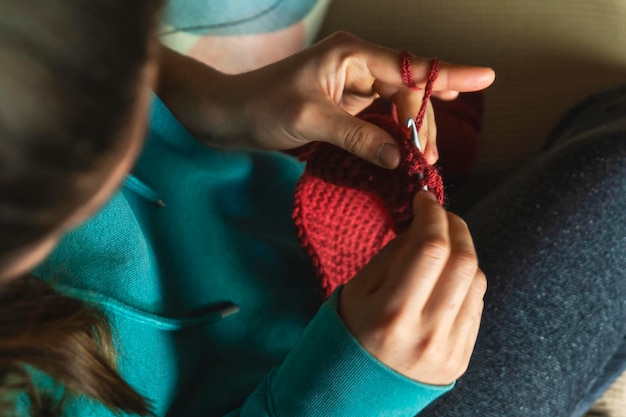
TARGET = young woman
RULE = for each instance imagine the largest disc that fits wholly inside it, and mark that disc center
(194, 262)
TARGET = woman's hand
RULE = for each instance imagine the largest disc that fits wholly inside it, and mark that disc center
(310, 96)
(417, 305)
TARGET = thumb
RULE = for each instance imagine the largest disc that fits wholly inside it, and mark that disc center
(359, 137)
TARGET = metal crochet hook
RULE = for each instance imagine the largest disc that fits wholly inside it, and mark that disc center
(411, 123)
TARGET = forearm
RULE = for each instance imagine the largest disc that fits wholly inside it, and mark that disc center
(199, 96)
(329, 374)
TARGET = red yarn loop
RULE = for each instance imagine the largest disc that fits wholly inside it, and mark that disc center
(407, 78)
(407, 72)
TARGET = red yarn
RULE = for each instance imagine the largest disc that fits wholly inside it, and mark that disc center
(407, 72)
(346, 209)
(432, 77)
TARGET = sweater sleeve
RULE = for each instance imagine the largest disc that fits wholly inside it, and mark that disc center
(329, 374)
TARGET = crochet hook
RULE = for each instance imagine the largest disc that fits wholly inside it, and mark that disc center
(411, 124)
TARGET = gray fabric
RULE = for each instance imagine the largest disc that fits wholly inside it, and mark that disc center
(552, 242)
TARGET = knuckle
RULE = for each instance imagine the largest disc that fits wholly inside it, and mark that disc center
(447, 359)
(395, 320)
(344, 48)
(436, 247)
(428, 350)
(355, 140)
(466, 262)
(451, 307)
(343, 37)
(449, 364)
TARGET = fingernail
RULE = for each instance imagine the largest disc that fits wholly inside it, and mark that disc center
(428, 194)
(388, 155)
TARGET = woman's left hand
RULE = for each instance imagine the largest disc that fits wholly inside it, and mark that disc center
(314, 95)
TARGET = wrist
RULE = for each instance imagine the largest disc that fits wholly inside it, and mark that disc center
(203, 99)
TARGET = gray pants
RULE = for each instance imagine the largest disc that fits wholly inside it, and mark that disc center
(552, 242)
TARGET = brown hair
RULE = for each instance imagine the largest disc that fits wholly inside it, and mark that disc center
(68, 82)
(62, 337)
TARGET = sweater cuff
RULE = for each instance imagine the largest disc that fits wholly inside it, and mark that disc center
(328, 373)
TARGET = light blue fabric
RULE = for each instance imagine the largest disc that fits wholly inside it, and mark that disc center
(234, 17)
(211, 291)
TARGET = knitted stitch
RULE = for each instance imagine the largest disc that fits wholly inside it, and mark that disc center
(346, 209)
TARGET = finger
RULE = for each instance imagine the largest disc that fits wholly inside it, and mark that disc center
(355, 135)
(457, 277)
(425, 131)
(464, 341)
(467, 325)
(446, 95)
(384, 65)
(426, 252)
(408, 104)
(430, 138)
(470, 341)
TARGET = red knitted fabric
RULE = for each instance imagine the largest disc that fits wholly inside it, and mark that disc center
(346, 209)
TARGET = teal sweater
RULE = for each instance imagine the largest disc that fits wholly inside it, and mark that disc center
(214, 305)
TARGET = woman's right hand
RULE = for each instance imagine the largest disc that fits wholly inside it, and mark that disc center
(417, 305)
